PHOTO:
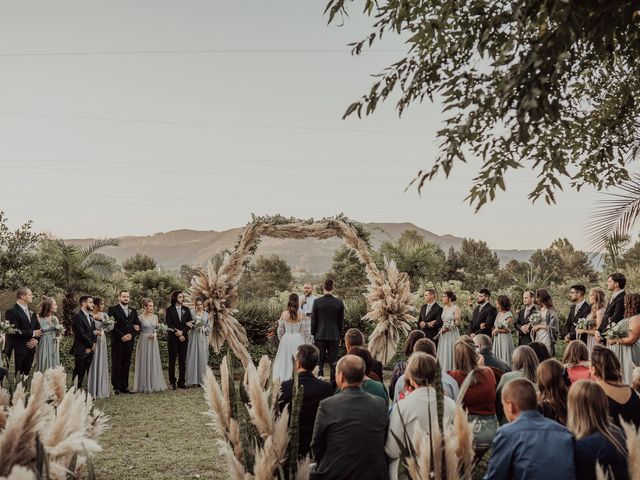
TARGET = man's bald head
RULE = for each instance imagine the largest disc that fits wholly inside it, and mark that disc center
(519, 395)
(351, 370)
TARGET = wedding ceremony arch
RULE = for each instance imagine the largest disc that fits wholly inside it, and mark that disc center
(390, 302)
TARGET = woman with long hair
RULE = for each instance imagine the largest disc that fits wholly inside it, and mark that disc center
(292, 332)
(596, 298)
(148, 375)
(598, 441)
(502, 339)
(399, 368)
(624, 403)
(552, 391)
(525, 363)
(48, 344)
(546, 332)
(198, 347)
(576, 361)
(627, 349)
(98, 383)
(449, 333)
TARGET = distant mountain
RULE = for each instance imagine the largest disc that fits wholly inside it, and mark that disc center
(194, 247)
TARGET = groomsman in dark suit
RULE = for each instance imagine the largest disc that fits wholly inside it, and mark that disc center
(580, 308)
(124, 331)
(615, 309)
(84, 339)
(522, 323)
(177, 317)
(484, 315)
(315, 390)
(430, 318)
(24, 341)
(327, 323)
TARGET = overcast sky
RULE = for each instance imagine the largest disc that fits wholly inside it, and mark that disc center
(142, 134)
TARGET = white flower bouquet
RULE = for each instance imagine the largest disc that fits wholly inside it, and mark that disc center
(108, 324)
(57, 327)
(6, 328)
(449, 324)
(585, 324)
(502, 324)
(535, 319)
(163, 329)
(616, 330)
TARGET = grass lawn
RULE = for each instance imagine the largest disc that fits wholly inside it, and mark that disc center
(159, 435)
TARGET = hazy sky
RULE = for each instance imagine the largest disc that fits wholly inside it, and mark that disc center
(130, 140)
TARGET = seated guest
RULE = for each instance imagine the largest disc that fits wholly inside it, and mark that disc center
(449, 385)
(355, 338)
(479, 384)
(398, 369)
(484, 347)
(576, 361)
(542, 352)
(552, 391)
(597, 439)
(416, 412)
(525, 364)
(530, 446)
(369, 385)
(635, 377)
(315, 390)
(623, 400)
(350, 429)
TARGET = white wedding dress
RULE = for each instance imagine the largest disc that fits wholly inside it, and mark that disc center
(291, 335)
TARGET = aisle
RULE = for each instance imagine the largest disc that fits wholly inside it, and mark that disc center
(159, 436)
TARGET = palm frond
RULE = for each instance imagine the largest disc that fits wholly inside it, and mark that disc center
(99, 244)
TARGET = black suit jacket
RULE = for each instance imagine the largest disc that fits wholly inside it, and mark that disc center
(435, 314)
(349, 437)
(572, 319)
(524, 338)
(315, 390)
(84, 335)
(25, 326)
(171, 317)
(486, 315)
(614, 312)
(327, 318)
(124, 324)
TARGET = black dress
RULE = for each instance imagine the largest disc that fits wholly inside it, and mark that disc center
(630, 411)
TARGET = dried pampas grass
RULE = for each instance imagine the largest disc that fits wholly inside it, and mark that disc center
(20, 473)
(633, 448)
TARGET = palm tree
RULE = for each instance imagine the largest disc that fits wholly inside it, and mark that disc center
(78, 270)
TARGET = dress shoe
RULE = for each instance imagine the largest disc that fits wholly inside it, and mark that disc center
(172, 386)
(116, 392)
(184, 387)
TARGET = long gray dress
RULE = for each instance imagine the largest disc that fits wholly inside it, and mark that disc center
(629, 355)
(148, 375)
(503, 342)
(197, 351)
(447, 340)
(99, 385)
(48, 346)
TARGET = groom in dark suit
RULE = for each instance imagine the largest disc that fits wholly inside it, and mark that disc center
(580, 308)
(124, 331)
(484, 315)
(23, 342)
(430, 318)
(84, 339)
(522, 322)
(615, 309)
(327, 323)
(177, 317)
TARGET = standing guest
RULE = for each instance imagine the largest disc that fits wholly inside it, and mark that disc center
(484, 315)
(292, 334)
(49, 344)
(84, 339)
(198, 346)
(627, 349)
(327, 323)
(399, 368)
(596, 296)
(127, 326)
(478, 390)
(546, 332)
(23, 342)
(368, 385)
(615, 309)
(350, 429)
(522, 322)
(177, 316)
(485, 349)
(624, 403)
(597, 440)
(452, 315)
(502, 339)
(315, 390)
(525, 364)
(430, 318)
(552, 391)
(530, 446)
(307, 299)
(542, 352)
(576, 361)
(579, 309)
(98, 383)
(449, 385)
(355, 338)
(410, 415)
(148, 375)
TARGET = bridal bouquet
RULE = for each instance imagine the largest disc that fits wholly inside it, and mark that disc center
(585, 324)
(163, 329)
(108, 324)
(6, 328)
(535, 319)
(616, 330)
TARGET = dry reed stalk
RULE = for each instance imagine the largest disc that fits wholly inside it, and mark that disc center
(215, 398)
(19, 472)
(266, 462)
(633, 448)
(260, 412)
(5, 398)
(56, 380)
(451, 457)
(437, 441)
(464, 436)
(264, 370)
(236, 469)
(281, 436)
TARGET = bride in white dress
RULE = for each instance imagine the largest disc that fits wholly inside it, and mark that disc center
(294, 329)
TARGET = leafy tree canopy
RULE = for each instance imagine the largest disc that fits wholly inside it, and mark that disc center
(479, 265)
(349, 274)
(139, 263)
(17, 254)
(265, 277)
(561, 261)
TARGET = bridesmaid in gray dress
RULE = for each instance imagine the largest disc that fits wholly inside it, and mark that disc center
(99, 385)
(627, 349)
(449, 333)
(148, 375)
(502, 338)
(49, 343)
(198, 348)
